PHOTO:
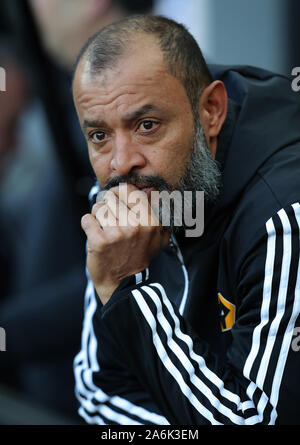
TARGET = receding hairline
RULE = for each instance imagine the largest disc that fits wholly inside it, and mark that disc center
(133, 44)
(179, 50)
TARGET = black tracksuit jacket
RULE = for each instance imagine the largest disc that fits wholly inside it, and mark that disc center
(207, 334)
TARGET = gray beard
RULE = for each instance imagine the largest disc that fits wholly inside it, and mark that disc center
(202, 172)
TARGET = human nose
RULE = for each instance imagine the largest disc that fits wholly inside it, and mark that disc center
(126, 156)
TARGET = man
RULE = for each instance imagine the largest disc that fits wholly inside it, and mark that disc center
(178, 329)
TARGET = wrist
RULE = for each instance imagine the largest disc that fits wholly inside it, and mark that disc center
(105, 292)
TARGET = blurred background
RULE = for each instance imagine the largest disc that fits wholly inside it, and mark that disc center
(45, 175)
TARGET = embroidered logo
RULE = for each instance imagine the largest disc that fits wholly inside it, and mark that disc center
(227, 312)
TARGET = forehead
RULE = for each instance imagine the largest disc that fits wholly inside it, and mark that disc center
(140, 76)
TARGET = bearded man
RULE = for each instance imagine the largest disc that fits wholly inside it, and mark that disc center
(178, 329)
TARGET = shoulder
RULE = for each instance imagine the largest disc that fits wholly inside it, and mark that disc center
(271, 199)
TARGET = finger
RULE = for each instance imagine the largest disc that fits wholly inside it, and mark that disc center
(119, 207)
(105, 216)
(124, 190)
(102, 198)
(100, 210)
(112, 201)
(138, 203)
(96, 207)
(92, 230)
(124, 216)
(140, 211)
(110, 224)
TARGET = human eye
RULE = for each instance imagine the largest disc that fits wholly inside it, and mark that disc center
(147, 126)
(97, 137)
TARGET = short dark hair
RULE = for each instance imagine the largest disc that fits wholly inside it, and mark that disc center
(180, 51)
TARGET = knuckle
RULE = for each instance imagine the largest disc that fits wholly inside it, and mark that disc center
(85, 221)
(96, 207)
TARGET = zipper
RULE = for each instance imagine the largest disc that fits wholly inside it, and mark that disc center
(175, 247)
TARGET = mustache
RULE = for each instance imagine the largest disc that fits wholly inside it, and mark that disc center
(133, 178)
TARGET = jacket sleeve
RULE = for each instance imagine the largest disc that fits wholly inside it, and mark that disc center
(257, 384)
(106, 388)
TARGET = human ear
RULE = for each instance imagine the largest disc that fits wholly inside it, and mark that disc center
(213, 105)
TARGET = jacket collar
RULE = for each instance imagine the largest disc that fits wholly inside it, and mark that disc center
(263, 117)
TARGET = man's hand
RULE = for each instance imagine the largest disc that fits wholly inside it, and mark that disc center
(120, 243)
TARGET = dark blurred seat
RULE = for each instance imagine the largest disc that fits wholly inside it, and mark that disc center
(15, 410)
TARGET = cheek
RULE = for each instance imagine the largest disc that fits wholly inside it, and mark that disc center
(170, 165)
(176, 161)
(101, 166)
(180, 146)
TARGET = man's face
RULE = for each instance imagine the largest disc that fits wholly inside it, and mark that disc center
(139, 125)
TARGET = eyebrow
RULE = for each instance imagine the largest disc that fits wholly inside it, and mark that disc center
(140, 112)
(127, 118)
